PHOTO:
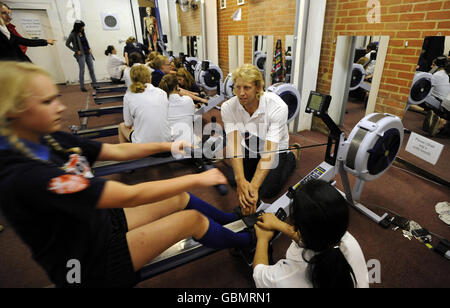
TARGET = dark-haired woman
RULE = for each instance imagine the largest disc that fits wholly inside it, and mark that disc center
(116, 64)
(323, 254)
(78, 43)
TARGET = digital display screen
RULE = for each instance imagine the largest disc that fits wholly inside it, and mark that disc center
(315, 102)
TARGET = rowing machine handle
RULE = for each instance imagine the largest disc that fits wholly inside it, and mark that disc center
(221, 188)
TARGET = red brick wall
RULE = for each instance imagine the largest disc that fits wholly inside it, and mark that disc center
(259, 17)
(190, 22)
(402, 20)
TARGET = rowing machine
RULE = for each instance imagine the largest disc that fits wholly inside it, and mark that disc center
(368, 152)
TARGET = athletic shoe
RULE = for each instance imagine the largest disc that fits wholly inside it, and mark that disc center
(434, 124)
(443, 209)
(427, 122)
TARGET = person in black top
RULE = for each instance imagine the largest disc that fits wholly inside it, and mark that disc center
(133, 46)
(78, 43)
(161, 65)
(67, 216)
(10, 44)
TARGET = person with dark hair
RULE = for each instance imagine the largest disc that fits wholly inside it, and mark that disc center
(323, 254)
(12, 45)
(132, 45)
(78, 43)
(116, 65)
(370, 49)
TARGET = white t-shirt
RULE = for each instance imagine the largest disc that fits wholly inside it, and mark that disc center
(127, 78)
(268, 122)
(181, 119)
(291, 272)
(115, 66)
(441, 88)
(148, 113)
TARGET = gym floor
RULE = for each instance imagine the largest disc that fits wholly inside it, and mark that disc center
(402, 262)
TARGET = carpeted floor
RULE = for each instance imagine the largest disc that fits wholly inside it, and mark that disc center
(402, 262)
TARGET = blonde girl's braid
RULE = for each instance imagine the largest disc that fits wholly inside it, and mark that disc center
(57, 147)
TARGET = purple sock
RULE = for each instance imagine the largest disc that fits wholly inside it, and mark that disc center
(210, 211)
(219, 237)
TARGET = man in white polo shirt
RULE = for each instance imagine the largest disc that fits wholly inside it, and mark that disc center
(256, 123)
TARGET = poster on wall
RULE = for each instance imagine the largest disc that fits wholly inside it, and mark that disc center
(32, 27)
(110, 21)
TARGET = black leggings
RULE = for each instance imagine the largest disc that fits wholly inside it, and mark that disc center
(276, 177)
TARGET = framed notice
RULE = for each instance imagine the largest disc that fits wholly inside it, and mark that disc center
(240, 2)
(223, 4)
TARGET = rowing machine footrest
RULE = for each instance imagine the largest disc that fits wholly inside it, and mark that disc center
(386, 222)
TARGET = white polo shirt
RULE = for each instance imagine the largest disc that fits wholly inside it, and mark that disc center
(148, 113)
(181, 119)
(268, 122)
(115, 66)
(291, 272)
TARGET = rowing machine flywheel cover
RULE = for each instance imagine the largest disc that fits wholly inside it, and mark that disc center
(373, 145)
(290, 95)
(228, 86)
(210, 79)
(420, 89)
(358, 74)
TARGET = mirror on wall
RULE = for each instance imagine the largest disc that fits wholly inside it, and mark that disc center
(262, 56)
(260, 53)
(193, 47)
(428, 105)
(288, 54)
(235, 52)
(353, 73)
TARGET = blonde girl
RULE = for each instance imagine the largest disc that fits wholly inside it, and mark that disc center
(65, 214)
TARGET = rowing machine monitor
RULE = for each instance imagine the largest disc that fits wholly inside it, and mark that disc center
(318, 104)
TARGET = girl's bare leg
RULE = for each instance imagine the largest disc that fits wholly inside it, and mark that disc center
(147, 242)
(124, 133)
(145, 214)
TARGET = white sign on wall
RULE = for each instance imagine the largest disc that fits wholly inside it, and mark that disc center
(32, 27)
(424, 148)
(110, 21)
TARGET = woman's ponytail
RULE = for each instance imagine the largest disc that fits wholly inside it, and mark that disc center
(140, 76)
(321, 215)
(330, 269)
(168, 83)
(109, 50)
(137, 87)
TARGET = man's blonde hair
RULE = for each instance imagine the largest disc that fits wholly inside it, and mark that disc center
(250, 73)
(140, 75)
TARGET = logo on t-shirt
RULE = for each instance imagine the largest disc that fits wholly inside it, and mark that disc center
(68, 184)
(78, 165)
